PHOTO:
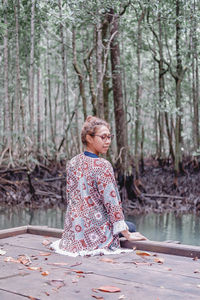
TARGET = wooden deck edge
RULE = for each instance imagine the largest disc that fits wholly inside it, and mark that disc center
(4, 233)
(44, 230)
(162, 247)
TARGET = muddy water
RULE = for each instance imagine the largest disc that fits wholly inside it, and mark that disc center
(183, 228)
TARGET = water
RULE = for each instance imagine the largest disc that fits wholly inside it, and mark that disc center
(183, 228)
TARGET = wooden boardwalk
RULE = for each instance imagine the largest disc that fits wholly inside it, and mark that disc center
(29, 269)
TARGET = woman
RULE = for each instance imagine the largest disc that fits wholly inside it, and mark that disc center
(94, 217)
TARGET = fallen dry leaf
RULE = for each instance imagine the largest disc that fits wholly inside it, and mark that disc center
(142, 253)
(109, 289)
(76, 264)
(45, 273)
(46, 242)
(47, 294)
(2, 252)
(97, 297)
(159, 260)
(24, 260)
(108, 260)
(11, 259)
(77, 271)
(35, 268)
(44, 253)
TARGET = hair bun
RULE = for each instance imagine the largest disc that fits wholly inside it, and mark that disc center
(90, 119)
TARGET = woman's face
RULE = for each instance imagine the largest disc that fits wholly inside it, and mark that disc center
(100, 142)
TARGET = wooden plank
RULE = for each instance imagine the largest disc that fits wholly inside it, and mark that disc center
(81, 275)
(4, 233)
(162, 247)
(44, 230)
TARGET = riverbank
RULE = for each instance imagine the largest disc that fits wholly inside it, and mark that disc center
(44, 187)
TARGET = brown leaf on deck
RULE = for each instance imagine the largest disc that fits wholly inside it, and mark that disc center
(24, 260)
(35, 268)
(108, 260)
(77, 271)
(142, 253)
(45, 273)
(44, 253)
(97, 297)
(109, 289)
(76, 264)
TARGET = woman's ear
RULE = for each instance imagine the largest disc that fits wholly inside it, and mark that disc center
(89, 139)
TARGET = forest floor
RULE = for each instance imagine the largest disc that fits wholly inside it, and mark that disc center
(158, 191)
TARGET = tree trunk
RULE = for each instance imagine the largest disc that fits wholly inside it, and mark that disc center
(155, 110)
(31, 71)
(106, 89)
(178, 79)
(195, 79)
(18, 83)
(138, 95)
(49, 93)
(64, 73)
(80, 75)
(88, 64)
(100, 102)
(120, 124)
(7, 120)
(161, 92)
(38, 113)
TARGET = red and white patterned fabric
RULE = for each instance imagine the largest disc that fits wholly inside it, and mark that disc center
(94, 214)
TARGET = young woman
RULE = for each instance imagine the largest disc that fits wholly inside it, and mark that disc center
(94, 217)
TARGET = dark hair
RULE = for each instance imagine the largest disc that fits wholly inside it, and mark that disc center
(90, 125)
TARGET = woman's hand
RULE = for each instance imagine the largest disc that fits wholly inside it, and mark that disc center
(133, 236)
(136, 236)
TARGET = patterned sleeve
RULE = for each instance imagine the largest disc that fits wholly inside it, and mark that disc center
(110, 195)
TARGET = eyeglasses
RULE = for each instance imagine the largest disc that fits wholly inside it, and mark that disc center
(104, 137)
